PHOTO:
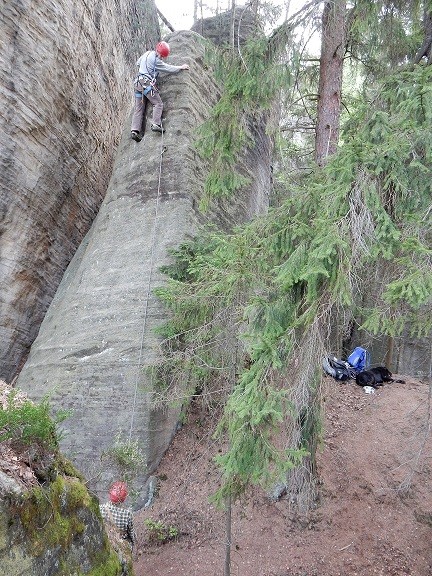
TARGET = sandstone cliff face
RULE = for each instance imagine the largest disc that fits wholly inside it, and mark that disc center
(65, 70)
(97, 339)
(223, 28)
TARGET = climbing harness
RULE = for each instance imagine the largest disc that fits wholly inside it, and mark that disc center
(163, 149)
(147, 85)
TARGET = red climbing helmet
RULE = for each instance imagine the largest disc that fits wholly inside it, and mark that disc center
(163, 49)
(118, 492)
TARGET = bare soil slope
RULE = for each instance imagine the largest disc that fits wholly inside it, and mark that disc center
(375, 510)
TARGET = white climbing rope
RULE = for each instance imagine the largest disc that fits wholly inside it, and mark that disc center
(153, 238)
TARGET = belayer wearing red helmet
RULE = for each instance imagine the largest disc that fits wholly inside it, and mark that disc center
(150, 64)
(115, 513)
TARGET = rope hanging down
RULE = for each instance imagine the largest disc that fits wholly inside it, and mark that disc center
(153, 239)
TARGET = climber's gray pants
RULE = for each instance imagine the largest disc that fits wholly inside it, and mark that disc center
(137, 118)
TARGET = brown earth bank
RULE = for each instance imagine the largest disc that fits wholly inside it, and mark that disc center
(374, 515)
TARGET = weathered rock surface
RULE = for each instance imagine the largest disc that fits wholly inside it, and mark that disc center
(97, 338)
(65, 70)
(223, 28)
(62, 533)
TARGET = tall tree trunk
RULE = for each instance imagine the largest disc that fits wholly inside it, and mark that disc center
(287, 9)
(228, 527)
(389, 353)
(330, 81)
(233, 23)
(425, 49)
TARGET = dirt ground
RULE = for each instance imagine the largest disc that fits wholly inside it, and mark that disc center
(375, 510)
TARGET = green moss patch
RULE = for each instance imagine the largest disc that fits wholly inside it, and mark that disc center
(50, 518)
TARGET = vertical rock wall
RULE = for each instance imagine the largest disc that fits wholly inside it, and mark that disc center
(65, 81)
(97, 339)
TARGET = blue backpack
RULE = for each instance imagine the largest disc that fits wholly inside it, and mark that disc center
(359, 359)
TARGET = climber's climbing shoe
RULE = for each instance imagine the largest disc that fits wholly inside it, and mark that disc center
(136, 136)
(157, 128)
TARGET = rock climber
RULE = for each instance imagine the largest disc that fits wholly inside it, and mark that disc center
(114, 512)
(151, 63)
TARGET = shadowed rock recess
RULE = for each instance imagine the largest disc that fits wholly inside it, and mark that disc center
(97, 338)
(65, 72)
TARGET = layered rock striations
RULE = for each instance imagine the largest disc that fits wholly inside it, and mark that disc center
(97, 341)
(65, 70)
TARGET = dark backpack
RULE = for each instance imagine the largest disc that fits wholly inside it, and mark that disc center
(338, 369)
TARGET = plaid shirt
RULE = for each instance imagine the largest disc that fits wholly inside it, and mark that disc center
(121, 517)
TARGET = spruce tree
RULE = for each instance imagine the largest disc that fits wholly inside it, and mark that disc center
(282, 289)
